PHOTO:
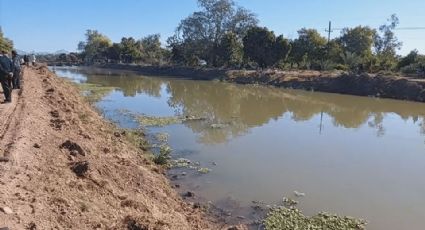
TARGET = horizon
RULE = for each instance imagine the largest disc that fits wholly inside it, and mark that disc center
(66, 23)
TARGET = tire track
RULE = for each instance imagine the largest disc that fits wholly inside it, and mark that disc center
(9, 115)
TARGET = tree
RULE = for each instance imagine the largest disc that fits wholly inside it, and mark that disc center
(262, 46)
(387, 44)
(62, 57)
(409, 59)
(131, 50)
(73, 57)
(359, 41)
(201, 32)
(282, 48)
(309, 47)
(95, 46)
(229, 51)
(334, 51)
(5, 43)
(151, 49)
(114, 52)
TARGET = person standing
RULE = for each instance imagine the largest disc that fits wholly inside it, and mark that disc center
(6, 73)
(33, 60)
(16, 60)
(27, 60)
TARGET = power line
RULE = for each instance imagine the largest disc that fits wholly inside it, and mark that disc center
(397, 28)
(330, 29)
(410, 28)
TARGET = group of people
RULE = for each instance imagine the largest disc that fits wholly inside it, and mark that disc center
(10, 73)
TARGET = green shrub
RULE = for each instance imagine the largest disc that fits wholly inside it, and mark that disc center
(341, 67)
(163, 157)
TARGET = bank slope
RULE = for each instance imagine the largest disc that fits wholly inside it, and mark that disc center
(69, 169)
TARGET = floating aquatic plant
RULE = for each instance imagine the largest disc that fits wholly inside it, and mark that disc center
(292, 219)
(158, 121)
(94, 93)
(162, 137)
(204, 170)
(181, 163)
(288, 202)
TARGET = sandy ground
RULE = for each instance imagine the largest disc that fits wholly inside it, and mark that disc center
(63, 167)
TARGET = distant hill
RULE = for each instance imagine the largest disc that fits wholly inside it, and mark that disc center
(22, 52)
(62, 52)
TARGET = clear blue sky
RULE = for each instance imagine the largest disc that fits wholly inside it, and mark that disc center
(51, 25)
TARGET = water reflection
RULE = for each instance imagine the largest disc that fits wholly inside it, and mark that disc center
(356, 156)
(245, 107)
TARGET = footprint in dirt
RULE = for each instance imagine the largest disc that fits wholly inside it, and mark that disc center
(73, 148)
(56, 122)
(50, 91)
(80, 168)
(54, 113)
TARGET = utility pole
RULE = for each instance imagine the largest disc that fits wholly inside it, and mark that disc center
(329, 31)
(328, 47)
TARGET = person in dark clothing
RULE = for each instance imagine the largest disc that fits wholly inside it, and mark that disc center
(6, 73)
(26, 60)
(16, 60)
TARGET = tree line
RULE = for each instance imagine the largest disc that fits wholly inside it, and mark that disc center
(223, 34)
(99, 48)
(5, 43)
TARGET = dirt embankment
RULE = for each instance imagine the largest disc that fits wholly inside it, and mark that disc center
(354, 84)
(63, 167)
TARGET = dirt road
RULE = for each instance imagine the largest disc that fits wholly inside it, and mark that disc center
(64, 167)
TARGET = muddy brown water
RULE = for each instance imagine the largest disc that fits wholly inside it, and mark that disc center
(355, 156)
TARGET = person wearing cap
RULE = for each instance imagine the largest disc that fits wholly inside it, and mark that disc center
(6, 73)
(16, 60)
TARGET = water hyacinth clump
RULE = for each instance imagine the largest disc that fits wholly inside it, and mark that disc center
(292, 219)
(181, 163)
(186, 163)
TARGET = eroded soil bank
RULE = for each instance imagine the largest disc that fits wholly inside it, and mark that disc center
(64, 167)
(401, 88)
(376, 85)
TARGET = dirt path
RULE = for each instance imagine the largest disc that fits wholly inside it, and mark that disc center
(67, 168)
(7, 122)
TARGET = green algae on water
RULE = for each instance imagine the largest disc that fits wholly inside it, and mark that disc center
(93, 92)
(153, 121)
(158, 121)
(292, 219)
